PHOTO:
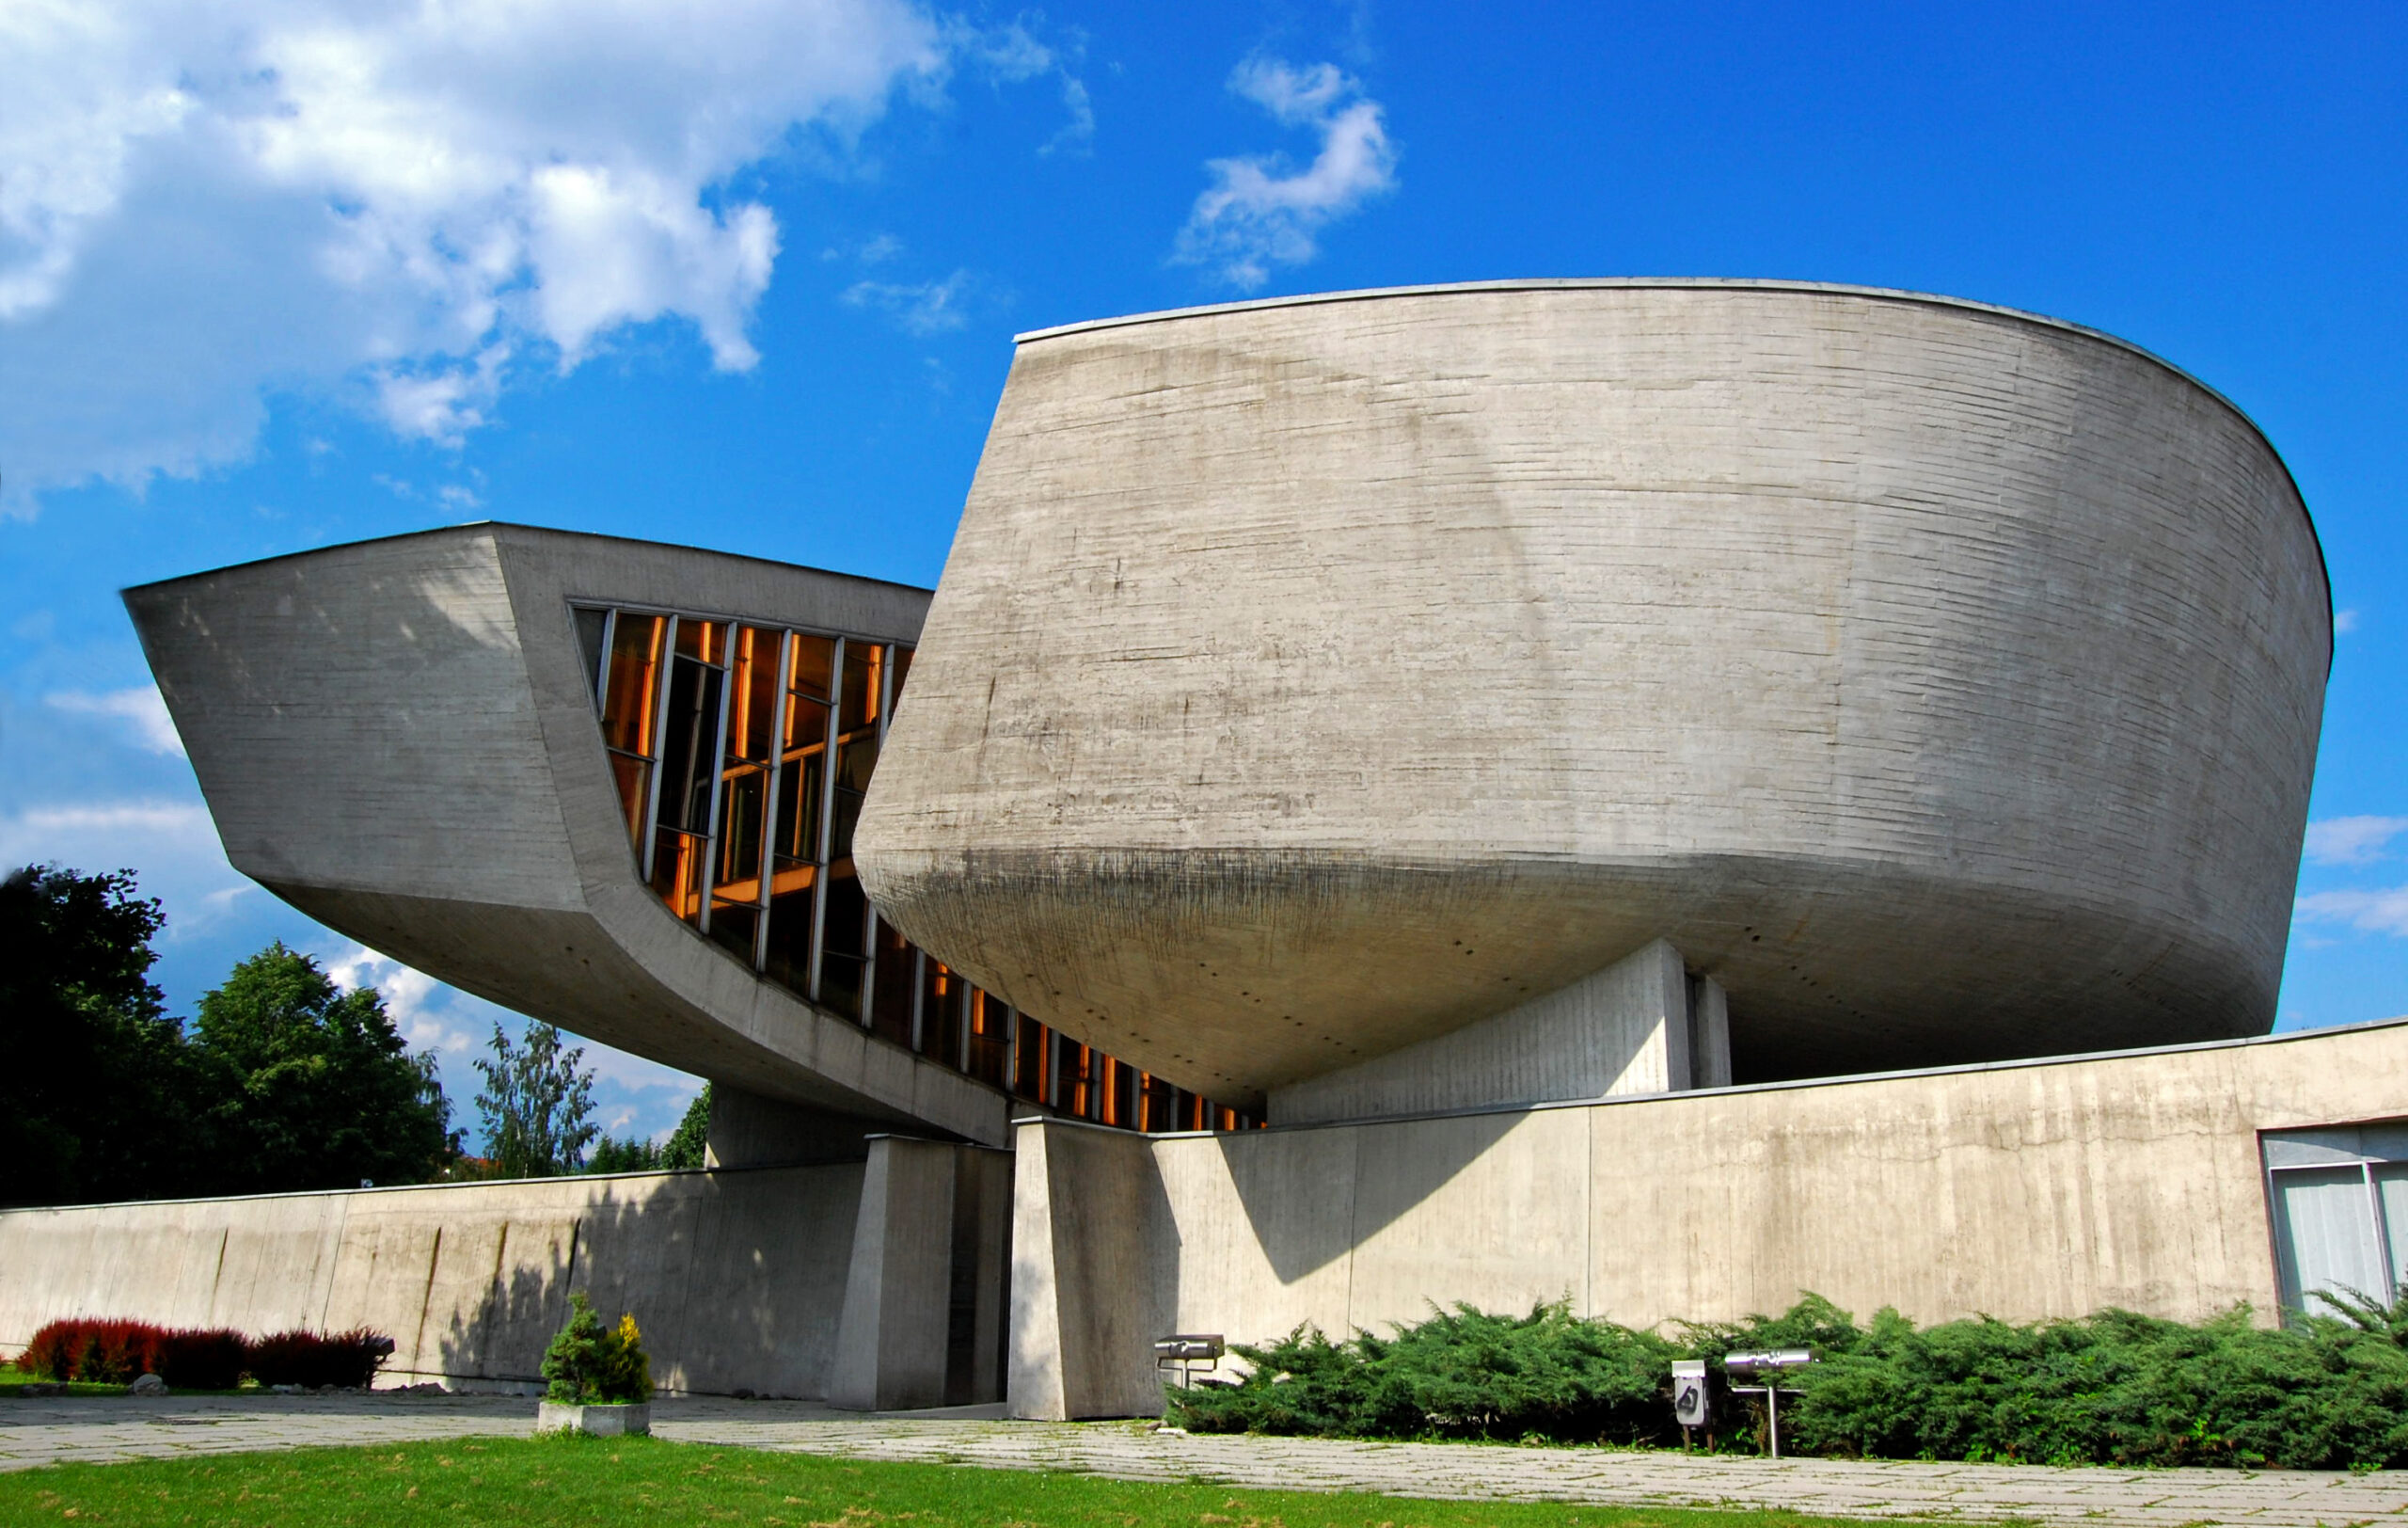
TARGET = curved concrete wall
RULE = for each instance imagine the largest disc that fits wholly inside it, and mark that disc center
(399, 739)
(1312, 678)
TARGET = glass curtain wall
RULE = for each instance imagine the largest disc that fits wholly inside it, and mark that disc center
(742, 753)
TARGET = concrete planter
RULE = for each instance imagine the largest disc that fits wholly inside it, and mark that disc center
(601, 1420)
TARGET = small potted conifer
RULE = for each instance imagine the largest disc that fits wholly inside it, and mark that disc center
(599, 1379)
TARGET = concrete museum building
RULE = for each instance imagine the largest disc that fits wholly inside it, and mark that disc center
(1664, 794)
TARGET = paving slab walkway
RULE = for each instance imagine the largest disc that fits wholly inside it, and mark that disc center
(105, 1429)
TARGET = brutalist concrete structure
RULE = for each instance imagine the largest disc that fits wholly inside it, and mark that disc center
(1537, 747)
(1311, 679)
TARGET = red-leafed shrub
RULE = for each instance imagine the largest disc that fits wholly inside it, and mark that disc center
(212, 1359)
(106, 1352)
(116, 1352)
(349, 1359)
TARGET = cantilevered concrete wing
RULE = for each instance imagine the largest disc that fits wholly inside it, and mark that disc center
(400, 739)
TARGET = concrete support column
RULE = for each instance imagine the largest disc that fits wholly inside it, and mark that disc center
(923, 1319)
(1086, 1309)
(1638, 1025)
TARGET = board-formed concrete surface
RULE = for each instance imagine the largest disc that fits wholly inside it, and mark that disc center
(738, 1278)
(399, 738)
(104, 1430)
(1315, 676)
(2024, 1191)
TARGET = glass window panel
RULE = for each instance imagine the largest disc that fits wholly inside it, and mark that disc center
(844, 946)
(743, 799)
(815, 663)
(800, 805)
(631, 698)
(1158, 1103)
(591, 624)
(793, 914)
(689, 742)
(864, 671)
(940, 1003)
(634, 779)
(705, 641)
(1028, 1061)
(890, 999)
(752, 726)
(734, 925)
(2391, 1191)
(1074, 1092)
(901, 659)
(990, 1038)
(678, 872)
(2324, 1232)
(856, 760)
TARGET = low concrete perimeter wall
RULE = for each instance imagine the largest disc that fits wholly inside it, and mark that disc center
(2024, 1191)
(737, 1278)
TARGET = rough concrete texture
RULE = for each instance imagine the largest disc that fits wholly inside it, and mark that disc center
(1626, 1029)
(1312, 678)
(2020, 1192)
(399, 739)
(735, 1278)
(924, 1315)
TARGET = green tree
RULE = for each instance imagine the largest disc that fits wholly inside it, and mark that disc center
(96, 1094)
(683, 1151)
(537, 1107)
(315, 1088)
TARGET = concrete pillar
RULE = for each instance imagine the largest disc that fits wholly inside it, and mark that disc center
(922, 1322)
(1709, 1034)
(1621, 1030)
(1087, 1204)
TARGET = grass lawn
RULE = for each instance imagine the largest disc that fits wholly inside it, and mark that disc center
(14, 1380)
(643, 1481)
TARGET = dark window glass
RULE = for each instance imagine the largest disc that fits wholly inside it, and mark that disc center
(844, 950)
(688, 744)
(677, 871)
(990, 1042)
(591, 624)
(705, 641)
(736, 925)
(940, 1002)
(752, 726)
(901, 659)
(815, 662)
(634, 779)
(856, 757)
(1074, 1092)
(1028, 1061)
(793, 915)
(864, 673)
(891, 986)
(1158, 1103)
(630, 700)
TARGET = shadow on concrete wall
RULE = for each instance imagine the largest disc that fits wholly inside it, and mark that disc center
(1313, 1196)
(736, 1279)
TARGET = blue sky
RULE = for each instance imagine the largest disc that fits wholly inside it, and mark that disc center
(744, 275)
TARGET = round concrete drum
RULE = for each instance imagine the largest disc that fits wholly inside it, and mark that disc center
(1313, 678)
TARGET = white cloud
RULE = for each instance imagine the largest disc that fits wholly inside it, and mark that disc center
(172, 844)
(199, 202)
(2373, 912)
(2344, 622)
(1257, 213)
(927, 308)
(140, 708)
(2353, 841)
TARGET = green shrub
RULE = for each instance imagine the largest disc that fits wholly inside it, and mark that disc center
(2326, 1392)
(588, 1363)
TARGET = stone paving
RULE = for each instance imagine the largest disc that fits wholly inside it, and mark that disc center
(98, 1429)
